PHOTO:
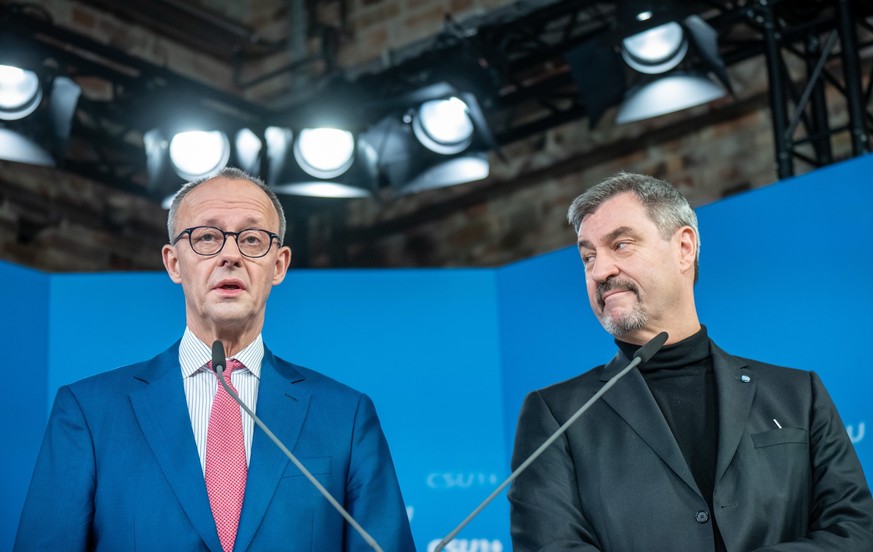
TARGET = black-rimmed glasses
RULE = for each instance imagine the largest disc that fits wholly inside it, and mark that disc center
(209, 240)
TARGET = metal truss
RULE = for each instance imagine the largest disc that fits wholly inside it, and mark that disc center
(816, 77)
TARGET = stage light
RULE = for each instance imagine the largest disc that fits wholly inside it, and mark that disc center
(660, 50)
(199, 153)
(444, 125)
(644, 15)
(20, 92)
(659, 70)
(325, 152)
(434, 137)
(180, 153)
(655, 50)
(319, 162)
(36, 115)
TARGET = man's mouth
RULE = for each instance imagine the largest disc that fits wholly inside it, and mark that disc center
(610, 293)
(612, 287)
(230, 285)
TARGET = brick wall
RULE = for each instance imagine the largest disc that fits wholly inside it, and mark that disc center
(137, 41)
(59, 222)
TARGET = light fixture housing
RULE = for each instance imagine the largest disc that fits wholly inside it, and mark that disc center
(188, 151)
(37, 103)
(36, 115)
(624, 69)
(435, 137)
(325, 162)
(668, 94)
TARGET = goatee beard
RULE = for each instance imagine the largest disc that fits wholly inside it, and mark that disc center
(631, 321)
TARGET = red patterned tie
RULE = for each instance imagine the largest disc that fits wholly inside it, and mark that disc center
(226, 468)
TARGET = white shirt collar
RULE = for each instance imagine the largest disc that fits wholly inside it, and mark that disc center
(194, 354)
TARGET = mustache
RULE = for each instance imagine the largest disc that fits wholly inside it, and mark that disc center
(614, 283)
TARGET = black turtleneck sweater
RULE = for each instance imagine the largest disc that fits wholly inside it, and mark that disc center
(681, 378)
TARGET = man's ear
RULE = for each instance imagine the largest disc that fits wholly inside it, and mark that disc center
(687, 248)
(171, 263)
(283, 261)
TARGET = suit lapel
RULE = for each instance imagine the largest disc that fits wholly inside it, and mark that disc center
(162, 412)
(282, 406)
(632, 400)
(734, 404)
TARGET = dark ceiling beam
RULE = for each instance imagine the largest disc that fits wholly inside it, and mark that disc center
(195, 27)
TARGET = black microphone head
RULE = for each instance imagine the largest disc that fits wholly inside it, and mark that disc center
(654, 345)
(218, 358)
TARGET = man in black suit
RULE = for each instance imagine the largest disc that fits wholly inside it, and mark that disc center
(697, 450)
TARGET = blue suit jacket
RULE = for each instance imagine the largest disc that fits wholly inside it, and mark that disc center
(119, 470)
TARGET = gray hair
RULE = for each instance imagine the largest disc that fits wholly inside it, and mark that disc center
(667, 208)
(230, 173)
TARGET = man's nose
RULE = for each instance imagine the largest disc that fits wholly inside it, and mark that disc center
(230, 252)
(604, 267)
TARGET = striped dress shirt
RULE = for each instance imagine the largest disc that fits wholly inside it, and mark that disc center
(201, 385)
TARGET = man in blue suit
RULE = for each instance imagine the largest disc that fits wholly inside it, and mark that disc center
(152, 456)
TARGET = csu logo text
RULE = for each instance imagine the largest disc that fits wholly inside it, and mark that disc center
(468, 545)
(449, 480)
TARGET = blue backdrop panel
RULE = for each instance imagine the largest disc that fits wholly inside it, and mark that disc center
(103, 321)
(423, 345)
(784, 278)
(24, 331)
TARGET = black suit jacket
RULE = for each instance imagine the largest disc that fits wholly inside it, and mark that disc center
(618, 482)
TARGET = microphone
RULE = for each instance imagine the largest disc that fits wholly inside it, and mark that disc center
(219, 363)
(643, 354)
(647, 351)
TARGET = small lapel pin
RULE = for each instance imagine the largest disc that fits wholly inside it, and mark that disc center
(745, 379)
(777, 423)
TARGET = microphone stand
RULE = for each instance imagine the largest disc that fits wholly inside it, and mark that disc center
(218, 362)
